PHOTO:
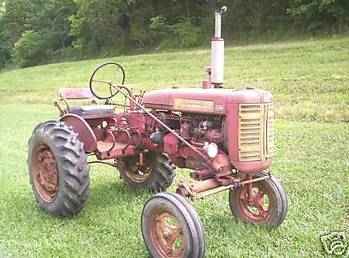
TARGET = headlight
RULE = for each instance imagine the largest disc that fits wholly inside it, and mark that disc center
(211, 149)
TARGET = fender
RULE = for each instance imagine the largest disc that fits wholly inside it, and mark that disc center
(85, 132)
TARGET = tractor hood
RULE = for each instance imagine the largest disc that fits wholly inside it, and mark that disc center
(198, 100)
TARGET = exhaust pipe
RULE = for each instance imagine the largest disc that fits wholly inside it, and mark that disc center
(217, 54)
(216, 70)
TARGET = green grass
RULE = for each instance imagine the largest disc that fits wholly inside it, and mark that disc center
(309, 80)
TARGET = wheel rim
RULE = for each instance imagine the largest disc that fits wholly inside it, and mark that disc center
(255, 202)
(45, 173)
(166, 233)
(139, 174)
(136, 172)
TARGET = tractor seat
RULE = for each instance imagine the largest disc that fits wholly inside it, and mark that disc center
(92, 110)
(86, 111)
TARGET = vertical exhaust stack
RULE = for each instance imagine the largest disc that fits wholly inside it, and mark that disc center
(217, 54)
(216, 70)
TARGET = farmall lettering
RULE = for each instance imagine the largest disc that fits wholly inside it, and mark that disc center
(224, 137)
(190, 105)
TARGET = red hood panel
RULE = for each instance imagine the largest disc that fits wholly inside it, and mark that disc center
(203, 100)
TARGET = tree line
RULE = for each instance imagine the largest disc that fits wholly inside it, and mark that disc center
(40, 31)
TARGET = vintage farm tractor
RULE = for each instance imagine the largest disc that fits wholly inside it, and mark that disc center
(224, 136)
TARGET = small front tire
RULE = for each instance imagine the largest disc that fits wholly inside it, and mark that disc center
(267, 204)
(172, 228)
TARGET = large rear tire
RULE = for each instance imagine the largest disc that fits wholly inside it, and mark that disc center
(58, 169)
(171, 228)
(156, 173)
(267, 206)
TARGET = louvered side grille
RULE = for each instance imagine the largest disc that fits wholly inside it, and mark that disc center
(256, 132)
(269, 131)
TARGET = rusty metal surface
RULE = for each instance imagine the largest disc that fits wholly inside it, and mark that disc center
(45, 173)
(167, 234)
(138, 169)
(255, 201)
(201, 189)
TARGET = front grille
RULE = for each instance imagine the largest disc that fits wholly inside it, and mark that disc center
(255, 132)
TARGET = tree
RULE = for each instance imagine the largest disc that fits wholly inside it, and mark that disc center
(96, 24)
(5, 48)
(321, 14)
(29, 49)
(51, 19)
(15, 19)
(98, 27)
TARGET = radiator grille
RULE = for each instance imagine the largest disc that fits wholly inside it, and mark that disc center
(255, 132)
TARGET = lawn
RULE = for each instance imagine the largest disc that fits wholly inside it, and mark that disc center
(309, 81)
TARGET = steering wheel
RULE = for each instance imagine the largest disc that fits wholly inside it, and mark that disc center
(107, 69)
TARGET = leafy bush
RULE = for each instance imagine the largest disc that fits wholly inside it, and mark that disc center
(29, 49)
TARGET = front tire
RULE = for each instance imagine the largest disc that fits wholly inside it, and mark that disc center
(58, 169)
(267, 204)
(172, 228)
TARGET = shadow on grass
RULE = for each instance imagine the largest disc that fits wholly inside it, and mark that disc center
(104, 195)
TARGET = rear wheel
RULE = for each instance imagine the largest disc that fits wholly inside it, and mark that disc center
(156, 173)
(171, 227)
(263, 202)
(58, 169)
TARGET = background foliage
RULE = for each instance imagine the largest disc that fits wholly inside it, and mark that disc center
(73, 29)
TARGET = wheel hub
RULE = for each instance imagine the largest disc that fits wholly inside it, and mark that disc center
(138, 172)
(255, 203)
(45, 173)
(167, 234)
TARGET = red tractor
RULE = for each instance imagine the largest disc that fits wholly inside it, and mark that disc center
(224, 136)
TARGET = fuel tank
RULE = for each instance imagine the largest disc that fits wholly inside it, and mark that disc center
(205, 101)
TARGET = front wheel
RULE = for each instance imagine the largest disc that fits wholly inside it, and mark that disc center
(171, 228)
(263, 202)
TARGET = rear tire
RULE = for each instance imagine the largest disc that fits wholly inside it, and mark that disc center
(172, 228)
(156, 174)
(268, 206)
(58, 169)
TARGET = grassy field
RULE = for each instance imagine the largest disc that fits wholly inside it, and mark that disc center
(309, 81)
